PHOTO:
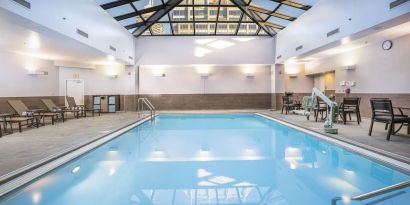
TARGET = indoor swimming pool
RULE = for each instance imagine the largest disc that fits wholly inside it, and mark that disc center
(187, 159)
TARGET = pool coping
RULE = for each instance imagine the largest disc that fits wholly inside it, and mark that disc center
(13, 180)
(399, 162)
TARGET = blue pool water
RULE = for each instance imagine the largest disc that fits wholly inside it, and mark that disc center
(213, 159)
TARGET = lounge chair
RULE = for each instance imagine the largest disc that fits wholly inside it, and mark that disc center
(22, 110)
(82, 108)
(52, 107)
(11, 119)
(382, 111)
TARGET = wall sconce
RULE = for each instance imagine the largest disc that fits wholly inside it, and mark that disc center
(113, 76)
(293, 76)
(350, 67)
(249, 72)
(203, 71)
(34, 72)
(250, 75)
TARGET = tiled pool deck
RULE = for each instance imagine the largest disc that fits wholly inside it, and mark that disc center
(20, 149)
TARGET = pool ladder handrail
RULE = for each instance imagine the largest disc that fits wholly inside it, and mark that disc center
(140, 107)
(374, 193)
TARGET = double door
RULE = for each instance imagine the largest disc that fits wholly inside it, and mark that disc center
(106, 103)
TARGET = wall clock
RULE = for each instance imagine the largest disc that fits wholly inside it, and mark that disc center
(387, 45)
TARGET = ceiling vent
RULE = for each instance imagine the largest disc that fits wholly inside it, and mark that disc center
(23, 3)
(82, 33)
(113, 48)
(397, 3)
(279, 56)
(131, 58)
(299, 47)
(333, 32)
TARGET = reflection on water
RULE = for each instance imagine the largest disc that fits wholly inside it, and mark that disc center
(213, 159)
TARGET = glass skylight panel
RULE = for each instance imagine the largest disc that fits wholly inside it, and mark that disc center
(181, 14)
(144, 4)
(248, 29)
(226, 2)
(183, 28)
(206, 2)
(161, 29)
(266, 4)
(186, 2)
(204, 28)
(120, 10)
(128, 21)
(101, 2)
(278, 21)
(290, 11)
(209, 17)
(226, 28)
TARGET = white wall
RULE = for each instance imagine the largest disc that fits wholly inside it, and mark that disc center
(86, 15)
(299, 83)
(187, 50)
(187, 80)
(377, 70)
(15, 82)
(98, 81)
(310, 29)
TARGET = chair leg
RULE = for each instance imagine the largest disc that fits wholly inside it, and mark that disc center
(390, 131)
(20, 127)
(358, 118)
(371, 127)
(350, 116)
(386, 126)
(344, 118)
(282, 110)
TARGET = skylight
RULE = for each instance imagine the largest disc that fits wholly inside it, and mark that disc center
(205, 17)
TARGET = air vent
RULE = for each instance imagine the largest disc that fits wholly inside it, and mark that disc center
(24, 3)
(397, 3)
(299, 47)
(333, 32)
(113, 48)
(131, 58)
(279, 56)
(82, 33)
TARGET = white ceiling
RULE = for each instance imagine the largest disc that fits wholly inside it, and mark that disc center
(387, 31)
(24, 37)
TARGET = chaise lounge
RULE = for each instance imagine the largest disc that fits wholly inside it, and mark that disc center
(22, 110)
(52, 107)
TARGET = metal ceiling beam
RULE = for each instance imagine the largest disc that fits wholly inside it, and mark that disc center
(241, 4)
(270, 13)
(113, 4)
(169, 5)
(293, 4)
(140, 12)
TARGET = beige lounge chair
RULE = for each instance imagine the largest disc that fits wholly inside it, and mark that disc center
(11, 119)
(52, 107)
(21, 109)
(83, 110)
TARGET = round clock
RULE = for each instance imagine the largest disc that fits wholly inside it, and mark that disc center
(387, 45)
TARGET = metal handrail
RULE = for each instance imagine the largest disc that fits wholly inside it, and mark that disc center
(140, 107)
(374, 193)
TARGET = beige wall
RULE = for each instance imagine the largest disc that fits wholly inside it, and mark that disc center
(377, 70)
(185, 79)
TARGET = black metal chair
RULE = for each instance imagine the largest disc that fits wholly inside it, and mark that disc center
(320, 107)
(382, 111)
(350, 106)
(287, 104)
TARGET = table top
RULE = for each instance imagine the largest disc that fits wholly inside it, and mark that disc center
(6, 114)
(402, 107)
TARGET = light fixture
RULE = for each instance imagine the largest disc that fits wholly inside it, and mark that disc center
(249, 72)
(203, 71)
(111, 58)
(75, 169)
(35, 72)
(113, 76)
(293, 76)
(350, 67)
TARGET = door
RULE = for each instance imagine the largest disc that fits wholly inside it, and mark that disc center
(75, 88)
